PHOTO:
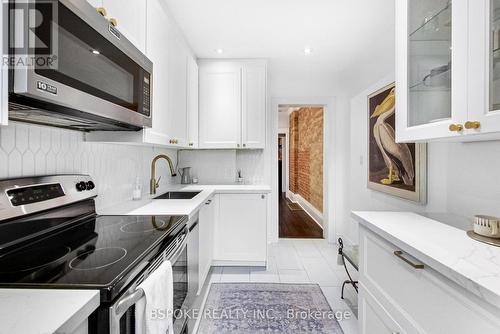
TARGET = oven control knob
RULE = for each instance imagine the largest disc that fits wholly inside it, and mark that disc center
(81, 186)
(90, 185)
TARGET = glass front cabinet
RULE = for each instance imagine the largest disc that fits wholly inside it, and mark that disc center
(447, 69)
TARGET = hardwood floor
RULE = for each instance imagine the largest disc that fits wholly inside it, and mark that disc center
(296, 224)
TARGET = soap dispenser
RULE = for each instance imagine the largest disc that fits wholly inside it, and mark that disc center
(137, 193)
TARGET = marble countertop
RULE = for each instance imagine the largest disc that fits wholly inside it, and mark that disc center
(147, 206)
(36, 311)
(447, 249)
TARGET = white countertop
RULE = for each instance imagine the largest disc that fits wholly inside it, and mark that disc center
(447, 249)
(31, 311)
(147, 206)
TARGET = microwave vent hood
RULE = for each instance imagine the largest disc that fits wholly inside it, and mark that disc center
(63, 117)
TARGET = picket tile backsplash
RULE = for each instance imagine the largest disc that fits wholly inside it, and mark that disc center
(31, 150)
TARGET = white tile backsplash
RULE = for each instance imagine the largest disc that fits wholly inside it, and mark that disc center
(221, 166)
(27, 150)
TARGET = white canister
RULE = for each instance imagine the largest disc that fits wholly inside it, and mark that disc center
(487, 226)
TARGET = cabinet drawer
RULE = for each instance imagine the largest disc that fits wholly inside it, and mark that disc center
(421, 300)
(373, 318)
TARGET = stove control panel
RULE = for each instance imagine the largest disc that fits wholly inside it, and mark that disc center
(34, 194)
(28, 195)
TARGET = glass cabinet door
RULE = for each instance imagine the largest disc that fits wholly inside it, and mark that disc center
(494, 100)
(429, 61)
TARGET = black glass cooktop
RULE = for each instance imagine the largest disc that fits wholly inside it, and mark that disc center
(95, 252)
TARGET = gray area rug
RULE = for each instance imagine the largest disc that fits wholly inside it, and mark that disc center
(247, 308)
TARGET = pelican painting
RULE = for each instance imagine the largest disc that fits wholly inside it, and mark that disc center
(397, 157)
(394, 168)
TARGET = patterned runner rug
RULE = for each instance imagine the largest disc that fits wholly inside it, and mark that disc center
(248, 308)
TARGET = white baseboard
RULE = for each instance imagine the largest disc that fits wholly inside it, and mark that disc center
(314, 213)
(223, 263)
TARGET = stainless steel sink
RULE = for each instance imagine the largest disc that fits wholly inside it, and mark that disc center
(178, 195)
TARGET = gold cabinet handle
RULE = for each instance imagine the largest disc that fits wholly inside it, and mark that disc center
(472, 125)
(400, 255)
(191, 144)
(456, 127)
(102, 11)
(113, 22)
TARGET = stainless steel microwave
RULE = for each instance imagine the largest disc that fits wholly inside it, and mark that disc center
(93, 79)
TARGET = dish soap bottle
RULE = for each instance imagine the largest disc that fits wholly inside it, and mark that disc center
(137, 193)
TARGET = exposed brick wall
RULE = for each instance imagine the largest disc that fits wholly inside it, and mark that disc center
(306, 155)
(293, 142)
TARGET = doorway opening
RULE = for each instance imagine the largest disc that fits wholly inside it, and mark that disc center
(300, 171)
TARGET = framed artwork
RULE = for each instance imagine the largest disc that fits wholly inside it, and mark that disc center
(397, 169)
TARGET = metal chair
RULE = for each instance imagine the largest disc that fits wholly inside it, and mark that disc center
(351, 254)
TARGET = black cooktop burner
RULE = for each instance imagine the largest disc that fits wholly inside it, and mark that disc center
(157, 224)
(98, 259)
(33, 258)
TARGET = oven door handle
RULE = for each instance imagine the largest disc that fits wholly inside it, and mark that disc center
(176, 253)
(120, 307)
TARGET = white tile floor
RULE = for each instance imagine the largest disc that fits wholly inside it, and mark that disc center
(301, 261)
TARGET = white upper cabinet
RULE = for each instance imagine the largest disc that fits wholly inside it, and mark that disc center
(95, 3)
(232, 104)
(192, 102)
(130, 18)
(174, 73)
(220, 105)
(448, 70)
(484, 67)
(157, 52)
(4, 95)
(253, 129)
(431, 69)
(177, 91)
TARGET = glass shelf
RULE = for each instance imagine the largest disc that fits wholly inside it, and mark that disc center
(435, 83)
(435, 28)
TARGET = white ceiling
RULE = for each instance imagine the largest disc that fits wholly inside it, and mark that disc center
(343, 34)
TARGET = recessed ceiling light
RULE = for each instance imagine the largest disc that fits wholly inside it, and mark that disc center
(307, 51)
(219, 51)
(96, 52)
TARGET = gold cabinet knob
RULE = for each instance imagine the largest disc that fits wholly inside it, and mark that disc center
(102, 11)
(456, 127)
(191, 144)
(113, 22)
(472, 125)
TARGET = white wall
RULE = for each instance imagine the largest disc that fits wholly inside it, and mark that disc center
(27, 150)
(463, 179)
(283, 120)
(221, 166)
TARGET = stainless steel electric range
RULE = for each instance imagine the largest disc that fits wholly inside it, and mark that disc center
(51, 237)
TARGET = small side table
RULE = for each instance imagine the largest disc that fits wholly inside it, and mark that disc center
(351, 254)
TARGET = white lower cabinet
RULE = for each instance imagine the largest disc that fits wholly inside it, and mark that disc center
(241, 230)
(206, 218)
(399, 297)
(373, 317)
(232, 232)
